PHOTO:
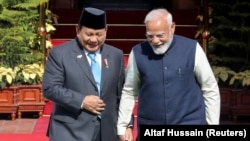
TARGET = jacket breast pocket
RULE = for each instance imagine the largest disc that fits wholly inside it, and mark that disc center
(184, 72)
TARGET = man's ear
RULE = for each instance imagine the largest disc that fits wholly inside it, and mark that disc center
(106, 28)
(173, 27)
(77, 29)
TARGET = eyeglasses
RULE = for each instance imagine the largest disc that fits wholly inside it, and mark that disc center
(159, 35)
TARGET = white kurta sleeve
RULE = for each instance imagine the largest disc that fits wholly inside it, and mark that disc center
(129, 94)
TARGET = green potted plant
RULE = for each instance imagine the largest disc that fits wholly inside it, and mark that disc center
(230, 28)
(20, 42)
(8, 103)
(223, 75)
(19, 38)
(230, 33)
(30, 74)
(22, 49)
(242, 79)
(7, 77)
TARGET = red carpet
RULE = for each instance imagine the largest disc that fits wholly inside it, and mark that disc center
(23, 137)
(41, 126)
(58, 42)
(39, 133)
(40, 129)
(48, 108)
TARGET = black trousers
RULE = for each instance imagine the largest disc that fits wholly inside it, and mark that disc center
(97, 133)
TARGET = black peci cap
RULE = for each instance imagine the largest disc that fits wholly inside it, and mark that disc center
(93, 18)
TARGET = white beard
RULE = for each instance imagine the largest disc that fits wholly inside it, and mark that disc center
(164, 47)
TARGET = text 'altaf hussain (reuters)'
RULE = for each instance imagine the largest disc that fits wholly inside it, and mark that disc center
(195, 132)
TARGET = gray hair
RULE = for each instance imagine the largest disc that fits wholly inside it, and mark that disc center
(159, 13)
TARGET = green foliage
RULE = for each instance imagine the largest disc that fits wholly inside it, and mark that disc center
(222, 73)
(19, 42)
(7, 77)
(241, 78)
(231, 28)
(29, 74)
(21, 53)
(229, 43)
